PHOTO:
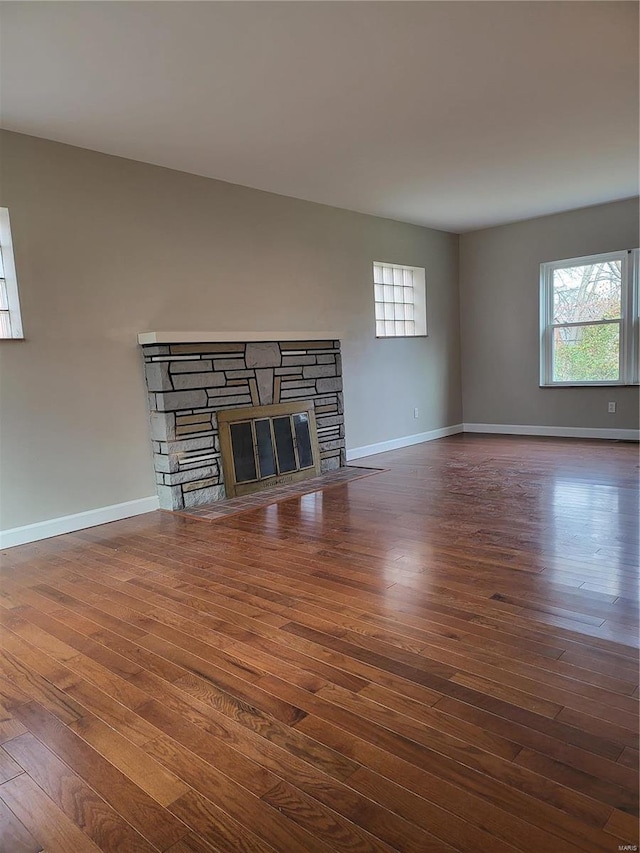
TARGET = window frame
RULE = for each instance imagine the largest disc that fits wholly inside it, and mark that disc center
(419, 292)
(10, 278)
(628, 321)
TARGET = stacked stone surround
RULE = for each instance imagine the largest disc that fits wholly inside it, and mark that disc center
(189, 383)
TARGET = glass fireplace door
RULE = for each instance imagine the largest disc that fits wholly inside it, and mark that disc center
(268, 445)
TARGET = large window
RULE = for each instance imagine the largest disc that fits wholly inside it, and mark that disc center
(589, 320)
(400, 301)
(10, 321)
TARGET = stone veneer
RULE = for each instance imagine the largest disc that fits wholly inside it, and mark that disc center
(189, 383)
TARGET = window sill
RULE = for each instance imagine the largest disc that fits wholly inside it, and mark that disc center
(399, 337)
(588, 385)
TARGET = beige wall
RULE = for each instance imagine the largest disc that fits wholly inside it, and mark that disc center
(499, 319)
(107, 247)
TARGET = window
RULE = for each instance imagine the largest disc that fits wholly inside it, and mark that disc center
(589, 320)
(10, 322)
(400, 301)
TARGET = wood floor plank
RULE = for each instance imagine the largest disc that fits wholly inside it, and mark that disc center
(463, 834)
(624, 827)
(10, 727)
(343, 835)
(43, 819)
(510, 820)
(193, 843)
(219, 828)
(295, 766)
(104, 826)
(14, 835)
(8, 766)
(554, 742)
(619, 796)
(469, 768)
(630, 758)
(200, 668)
(232, 799)
(19, 672)
(139, 809)
(92, 699)
(131, 760)
(433, 729)
(255, 735)
(622, 736)
(225, 759)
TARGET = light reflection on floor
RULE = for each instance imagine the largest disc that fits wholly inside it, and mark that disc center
(585, 520)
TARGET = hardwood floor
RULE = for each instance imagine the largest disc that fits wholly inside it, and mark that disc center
(440, 657)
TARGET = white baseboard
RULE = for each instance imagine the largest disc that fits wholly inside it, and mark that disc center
(77, 521)
(405, 441)
(555, 431)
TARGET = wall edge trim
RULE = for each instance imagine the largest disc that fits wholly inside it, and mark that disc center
(403, 441)
(78, 521)
(556, 431)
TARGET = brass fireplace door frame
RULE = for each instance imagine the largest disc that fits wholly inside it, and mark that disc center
(256, 413)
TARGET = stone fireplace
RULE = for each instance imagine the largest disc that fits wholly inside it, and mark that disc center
(190, 381)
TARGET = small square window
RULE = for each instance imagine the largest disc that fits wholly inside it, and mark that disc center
(400, 304)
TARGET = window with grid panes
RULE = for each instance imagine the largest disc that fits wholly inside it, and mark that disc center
(5, 316)
(589, 328)
(10, 321)
(400, 304)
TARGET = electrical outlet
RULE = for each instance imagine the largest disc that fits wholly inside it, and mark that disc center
(415, 412)
(612, 408)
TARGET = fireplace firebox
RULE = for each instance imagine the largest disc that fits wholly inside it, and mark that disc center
(268, 445)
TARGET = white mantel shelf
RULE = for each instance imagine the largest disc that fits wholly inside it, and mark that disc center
(145, 338)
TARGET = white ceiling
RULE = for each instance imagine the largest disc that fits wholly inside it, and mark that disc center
(457, 115)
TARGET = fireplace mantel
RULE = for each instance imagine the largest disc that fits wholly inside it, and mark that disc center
(145, 338)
